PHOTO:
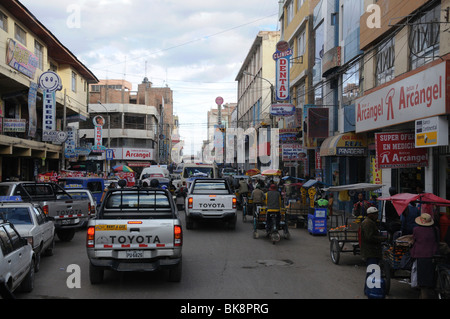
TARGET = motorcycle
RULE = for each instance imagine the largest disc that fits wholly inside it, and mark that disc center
(273, 225)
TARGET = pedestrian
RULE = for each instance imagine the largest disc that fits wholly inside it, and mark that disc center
(112, 185)
(371, 239)
(360, 207)
(330, 204)
(408, 219)
(425, 246)
(391, 215)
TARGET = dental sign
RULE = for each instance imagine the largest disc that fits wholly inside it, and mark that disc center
(282, 57)
(415, 97)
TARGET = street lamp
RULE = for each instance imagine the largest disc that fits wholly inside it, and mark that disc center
(272, 90)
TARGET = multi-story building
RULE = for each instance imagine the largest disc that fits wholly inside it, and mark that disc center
(30, 50)
(140, 126)
(405, 106)
(256, 79)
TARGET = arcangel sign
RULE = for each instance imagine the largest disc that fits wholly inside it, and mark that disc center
(420, 95)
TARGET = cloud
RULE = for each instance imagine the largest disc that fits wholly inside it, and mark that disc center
(195, 47)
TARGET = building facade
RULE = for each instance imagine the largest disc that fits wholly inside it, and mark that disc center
(30, 50)
(141, 126)
(405, 106)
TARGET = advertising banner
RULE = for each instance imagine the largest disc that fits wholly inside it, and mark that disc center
(292, 152)
(19, 58)
(397, 150)
(98, 134)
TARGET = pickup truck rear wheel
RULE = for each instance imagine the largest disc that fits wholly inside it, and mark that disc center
(66, 234)
(95, 274)
(175, 273)
(189, 222)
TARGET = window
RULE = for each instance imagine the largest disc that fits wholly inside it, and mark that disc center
(424, 38)
(290, 12)
(18, 215)
(385, 60)
(301, 45)
(351, 84)
(74, 81)
(39, 52)
(20, 34)
(3, 21)
(299, 4)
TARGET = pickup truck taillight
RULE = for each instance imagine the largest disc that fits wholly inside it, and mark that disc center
(234, 202)
(190, 202)
(177, 236)
(45, 209)
(91, 209)
(90, 237)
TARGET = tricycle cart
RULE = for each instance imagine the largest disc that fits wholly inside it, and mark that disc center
(341, 235)
(260, 220)
(392, 262)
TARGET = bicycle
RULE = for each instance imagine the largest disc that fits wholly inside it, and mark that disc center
(442, 287)
(244, 207)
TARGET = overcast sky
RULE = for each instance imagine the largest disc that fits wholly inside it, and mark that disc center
(196, 47)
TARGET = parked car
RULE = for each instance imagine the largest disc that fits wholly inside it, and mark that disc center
(31, 223)
(16, 262)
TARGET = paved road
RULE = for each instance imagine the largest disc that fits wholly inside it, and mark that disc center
(220, 264)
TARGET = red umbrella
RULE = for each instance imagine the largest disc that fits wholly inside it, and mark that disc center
(401, 201)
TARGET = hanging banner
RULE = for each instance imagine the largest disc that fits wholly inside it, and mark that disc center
(32, 118)
(69, 150)
(282, 58)
(98, 121)
(397, 150)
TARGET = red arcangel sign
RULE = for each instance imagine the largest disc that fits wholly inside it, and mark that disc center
(397, 150)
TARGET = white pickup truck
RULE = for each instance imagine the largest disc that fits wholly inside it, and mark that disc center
(136, 229)
(210, 199)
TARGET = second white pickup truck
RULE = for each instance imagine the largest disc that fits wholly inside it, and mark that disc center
(210, 199)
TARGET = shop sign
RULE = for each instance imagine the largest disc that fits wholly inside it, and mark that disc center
(282, 65)
(141, 154)
(292, 152)
(282, 109)
(418, 96)
(14, 125)
(19, 58)
(397, 150)
(288, 135)
(432, 131)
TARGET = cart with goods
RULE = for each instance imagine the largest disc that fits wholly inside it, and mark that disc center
(394, 256)
(344, 235)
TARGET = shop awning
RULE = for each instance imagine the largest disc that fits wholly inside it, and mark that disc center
(347, 144)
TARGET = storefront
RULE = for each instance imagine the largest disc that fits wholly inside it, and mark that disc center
(410, 156)
(345, 157)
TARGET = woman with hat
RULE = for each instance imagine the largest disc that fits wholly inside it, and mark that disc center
(425, 246)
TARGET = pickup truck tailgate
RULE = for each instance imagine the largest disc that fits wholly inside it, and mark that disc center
(212, 202)
(133, 234)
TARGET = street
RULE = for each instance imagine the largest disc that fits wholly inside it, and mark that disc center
(219, 263)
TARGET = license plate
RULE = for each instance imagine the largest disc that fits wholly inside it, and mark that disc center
(135, 254)
(70, 221)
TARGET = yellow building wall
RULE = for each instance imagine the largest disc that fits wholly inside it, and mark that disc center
(77, 101)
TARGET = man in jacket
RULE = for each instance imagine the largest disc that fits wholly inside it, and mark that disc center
(371, 249)
(273, 202)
